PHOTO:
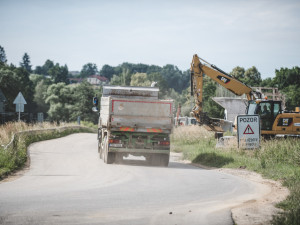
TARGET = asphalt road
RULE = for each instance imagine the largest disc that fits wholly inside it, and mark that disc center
(67, 183)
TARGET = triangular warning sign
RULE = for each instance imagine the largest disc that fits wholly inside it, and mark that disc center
(248, 130)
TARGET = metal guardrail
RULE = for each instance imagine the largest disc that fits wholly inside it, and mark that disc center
(59, 129)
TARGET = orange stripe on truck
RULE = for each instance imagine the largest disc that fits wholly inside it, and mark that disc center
(126, 129)
(154, 130)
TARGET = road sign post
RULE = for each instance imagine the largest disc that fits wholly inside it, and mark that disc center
(20, 102)
(248, 127)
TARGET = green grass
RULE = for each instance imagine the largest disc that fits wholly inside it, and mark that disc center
(15, 156)
(277, 159)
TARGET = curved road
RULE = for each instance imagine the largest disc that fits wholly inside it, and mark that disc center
(67, 183)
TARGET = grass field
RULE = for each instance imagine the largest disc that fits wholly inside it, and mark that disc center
(278, 159)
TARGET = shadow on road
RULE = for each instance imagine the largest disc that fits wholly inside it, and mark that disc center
(212, 159)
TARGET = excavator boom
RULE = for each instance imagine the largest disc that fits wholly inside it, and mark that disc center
(199, 67)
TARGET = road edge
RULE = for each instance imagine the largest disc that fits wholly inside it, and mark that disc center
(257, 210)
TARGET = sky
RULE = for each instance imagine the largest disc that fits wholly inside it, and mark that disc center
(226, 33)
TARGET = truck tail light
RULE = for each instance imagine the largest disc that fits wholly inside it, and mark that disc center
(115, 141)
(165, 143)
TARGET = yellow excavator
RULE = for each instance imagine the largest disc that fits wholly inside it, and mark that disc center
(274, 120)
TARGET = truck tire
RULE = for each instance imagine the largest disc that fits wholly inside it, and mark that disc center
(101, 147)
(108, 157)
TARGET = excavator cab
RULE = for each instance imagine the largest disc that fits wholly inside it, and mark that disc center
(267, 110)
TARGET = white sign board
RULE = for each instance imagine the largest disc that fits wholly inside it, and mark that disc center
(248, 127)
(20, 102)
(20, 99)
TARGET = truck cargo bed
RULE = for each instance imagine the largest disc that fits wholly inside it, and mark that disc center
(138, 114)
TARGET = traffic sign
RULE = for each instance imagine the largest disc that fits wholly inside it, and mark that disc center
(19, 102)
(248, 130)
(20, 99)
(248, 127)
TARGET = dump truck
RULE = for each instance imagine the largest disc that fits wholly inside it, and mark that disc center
(133, 121)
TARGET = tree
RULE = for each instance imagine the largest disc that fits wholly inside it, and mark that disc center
(2, 55)
(268, 82)
(26, 63)
(175, 78)
(288, 81)
(238, 73)
(285, 77)
(44, 70)
(88, 70)
(252, 77)
(116, 80)
(40, 96)
(83, 95)
(107, 71)
(9, 85)
(14, 80)
(161, 83)
(140, 79)
(59, 73)
(60, 97)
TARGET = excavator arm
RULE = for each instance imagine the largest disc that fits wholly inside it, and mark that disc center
(199, 67)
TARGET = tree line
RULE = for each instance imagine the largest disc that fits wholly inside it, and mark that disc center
(47, 88)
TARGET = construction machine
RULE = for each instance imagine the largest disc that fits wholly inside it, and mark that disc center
(273, 119)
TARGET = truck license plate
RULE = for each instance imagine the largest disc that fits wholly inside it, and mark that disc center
(116, 145)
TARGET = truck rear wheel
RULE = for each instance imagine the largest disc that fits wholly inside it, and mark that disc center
(108, 157)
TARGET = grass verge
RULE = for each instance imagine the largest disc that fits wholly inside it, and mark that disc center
(277, 159)
(14, 157)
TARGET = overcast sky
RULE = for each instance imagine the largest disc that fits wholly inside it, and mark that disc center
(261, 33)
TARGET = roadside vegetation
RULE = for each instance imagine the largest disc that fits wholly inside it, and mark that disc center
(13, 151)
(277, 159)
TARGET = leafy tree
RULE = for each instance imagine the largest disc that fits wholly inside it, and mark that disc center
(36, 78)
(175, 78)
(288, 82)
(238, 73)
(40, 96)
(292, 96)
(268, 82)
(161, 83)
(60, 97)
(9, 85)
(59, 73)
(44, 70)
(88, 70)
(122, 79)
(107, 71)
(83, 95)
(252, 77)
(140, 79)
(2, 55)
(116, 80)
(14, 80)
(26, 63)
(209, 105)
(285, 77)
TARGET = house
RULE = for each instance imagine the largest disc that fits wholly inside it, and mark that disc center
(97, 80)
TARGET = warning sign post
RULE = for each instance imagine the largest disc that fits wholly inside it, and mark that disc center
(248, 127)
